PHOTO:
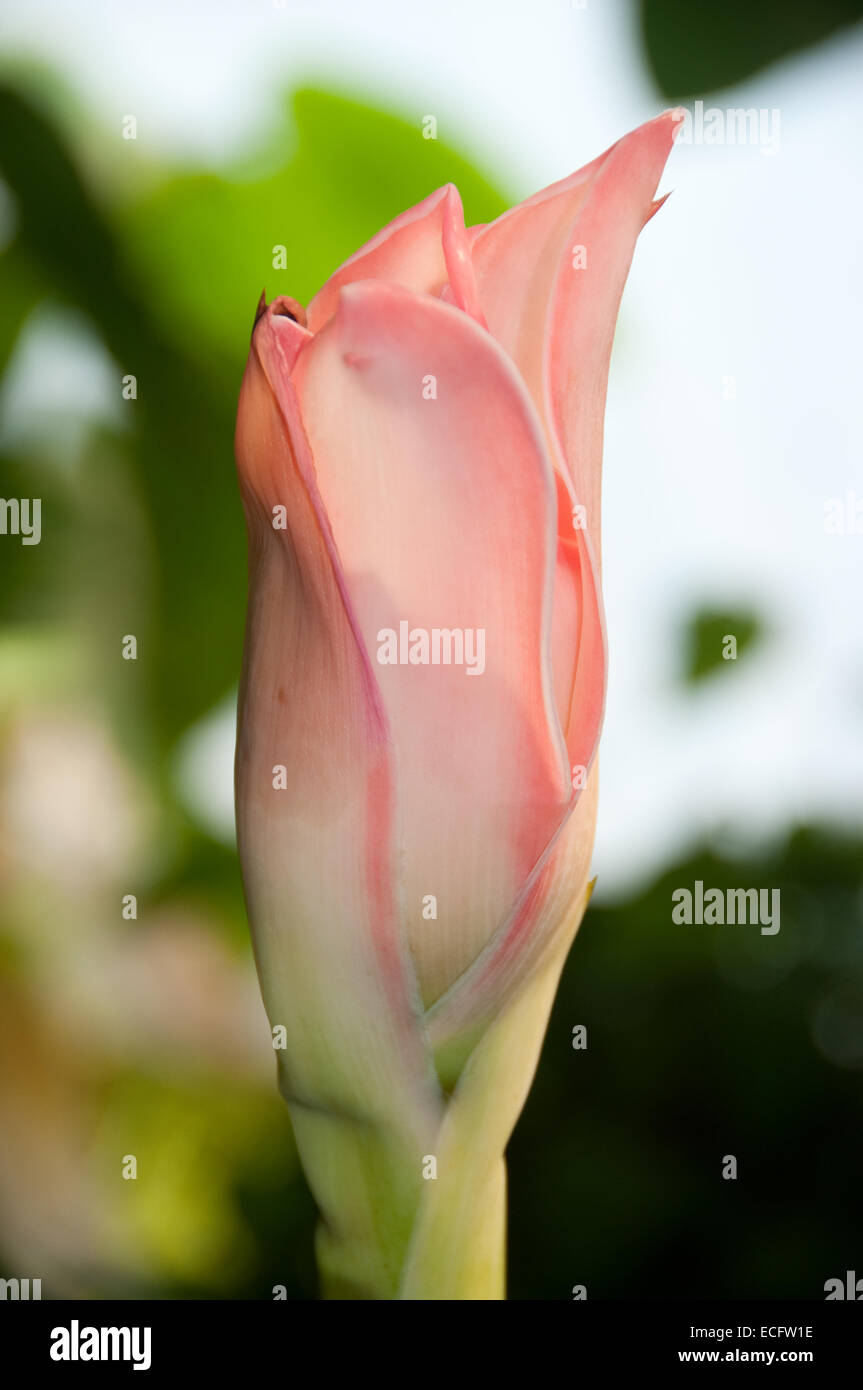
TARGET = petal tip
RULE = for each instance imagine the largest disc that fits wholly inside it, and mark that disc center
(656, 205)
(283, 306)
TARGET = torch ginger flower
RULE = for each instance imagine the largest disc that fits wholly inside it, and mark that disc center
(419, 457)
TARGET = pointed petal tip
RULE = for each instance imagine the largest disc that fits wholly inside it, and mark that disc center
(675, 116)
(656, 205)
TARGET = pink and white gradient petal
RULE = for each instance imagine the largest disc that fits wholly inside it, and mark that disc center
(444, 514)
(318, 846)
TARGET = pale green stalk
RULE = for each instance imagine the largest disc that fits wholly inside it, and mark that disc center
(387, 1232)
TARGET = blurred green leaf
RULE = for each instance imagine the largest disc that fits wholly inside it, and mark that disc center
(331, 176)
(694, 49)
(172, 289)
(707, 644)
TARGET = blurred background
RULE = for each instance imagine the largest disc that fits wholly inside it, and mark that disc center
(151, 157)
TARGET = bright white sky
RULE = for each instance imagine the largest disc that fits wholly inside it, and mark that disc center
(753, 271)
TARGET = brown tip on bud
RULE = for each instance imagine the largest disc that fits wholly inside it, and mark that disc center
(289, 308)
(261, 309)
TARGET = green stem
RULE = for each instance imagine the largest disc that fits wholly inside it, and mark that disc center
(388, 1232)
(396, 1226)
